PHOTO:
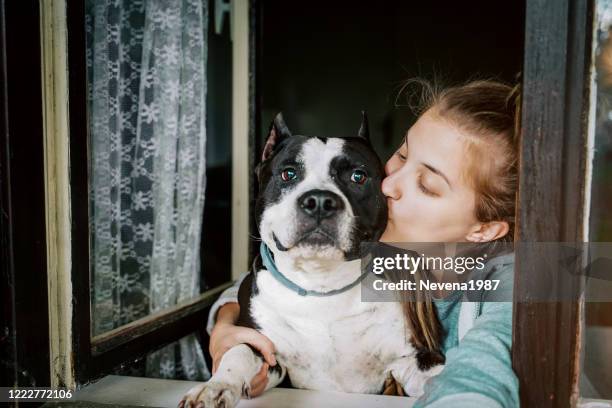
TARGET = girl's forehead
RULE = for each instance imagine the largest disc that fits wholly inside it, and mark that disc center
(435, 136)
(436, 142)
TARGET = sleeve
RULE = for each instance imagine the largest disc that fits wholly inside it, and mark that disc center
(229, 295)
(478, 372)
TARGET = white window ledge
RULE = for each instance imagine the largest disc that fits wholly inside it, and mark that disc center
(594, 403)
(152, 392)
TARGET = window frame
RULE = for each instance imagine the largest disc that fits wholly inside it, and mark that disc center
(92, 357)
(553, 192)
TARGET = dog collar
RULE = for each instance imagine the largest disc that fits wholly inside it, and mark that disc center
(268, 262)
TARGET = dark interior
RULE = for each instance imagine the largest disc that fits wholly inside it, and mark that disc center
(325, 61)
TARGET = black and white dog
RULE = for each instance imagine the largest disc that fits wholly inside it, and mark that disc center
(318, 199)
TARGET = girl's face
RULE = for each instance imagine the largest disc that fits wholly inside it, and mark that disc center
(428, 197)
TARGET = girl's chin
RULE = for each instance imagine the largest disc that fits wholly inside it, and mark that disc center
(394, 234)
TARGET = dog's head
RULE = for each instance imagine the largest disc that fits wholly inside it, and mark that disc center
(319, 197)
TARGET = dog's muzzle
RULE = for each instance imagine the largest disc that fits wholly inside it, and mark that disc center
(318, 217)
(320, 204)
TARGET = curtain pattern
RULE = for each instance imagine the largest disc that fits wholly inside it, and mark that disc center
(146, 65)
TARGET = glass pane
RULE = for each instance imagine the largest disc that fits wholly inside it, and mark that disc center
(159, 156)
(181, 360)
(596, 381)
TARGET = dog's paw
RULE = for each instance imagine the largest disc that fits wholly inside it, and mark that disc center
(435, 370)
(212, 394)
(416, 387)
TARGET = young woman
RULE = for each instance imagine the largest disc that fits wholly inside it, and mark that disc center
(453, 179)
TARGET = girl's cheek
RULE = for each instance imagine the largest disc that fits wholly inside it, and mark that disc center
(417, 208)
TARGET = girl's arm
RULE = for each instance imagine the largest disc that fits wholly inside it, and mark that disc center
(229, 295)
(224, 334)
(478, 372)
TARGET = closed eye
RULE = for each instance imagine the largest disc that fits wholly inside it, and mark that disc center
(424, 189)
(399, 153)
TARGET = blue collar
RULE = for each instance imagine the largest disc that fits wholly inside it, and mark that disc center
(268, 262)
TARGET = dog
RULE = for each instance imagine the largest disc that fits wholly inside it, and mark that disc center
(319, 197)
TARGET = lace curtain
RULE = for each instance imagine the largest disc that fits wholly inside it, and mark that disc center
(146, 65)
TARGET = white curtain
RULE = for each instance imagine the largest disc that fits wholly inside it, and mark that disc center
(147, 111)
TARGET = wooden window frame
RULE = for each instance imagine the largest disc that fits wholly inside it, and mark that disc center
(93, 357)
(552, 205)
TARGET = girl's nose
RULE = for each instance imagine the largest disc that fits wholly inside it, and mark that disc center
(390, 187)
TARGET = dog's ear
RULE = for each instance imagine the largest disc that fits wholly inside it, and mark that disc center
(277, 133)
(364, 129)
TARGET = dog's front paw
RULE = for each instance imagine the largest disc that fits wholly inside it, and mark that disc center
(435, 370)
(416, 387)
(212, 394)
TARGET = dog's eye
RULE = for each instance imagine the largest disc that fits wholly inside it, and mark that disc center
(288, 174)
(359, 177)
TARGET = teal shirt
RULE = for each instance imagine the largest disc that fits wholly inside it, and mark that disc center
(478, 369)
(448, 313)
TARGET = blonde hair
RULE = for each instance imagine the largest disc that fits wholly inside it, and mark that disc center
(488, 113)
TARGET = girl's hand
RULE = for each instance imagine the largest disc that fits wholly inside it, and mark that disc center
(224, 336)
(259, 382)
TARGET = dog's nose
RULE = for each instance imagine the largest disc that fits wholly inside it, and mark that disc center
(320, 203)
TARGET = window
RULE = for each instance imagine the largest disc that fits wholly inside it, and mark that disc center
(123, 96)
(45, 248)
(555, 197)
(49, 153)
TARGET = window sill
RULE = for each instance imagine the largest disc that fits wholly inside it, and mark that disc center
(115, 390)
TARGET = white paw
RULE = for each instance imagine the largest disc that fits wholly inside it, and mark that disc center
(433, 371)
(416, 387)
(212, 394)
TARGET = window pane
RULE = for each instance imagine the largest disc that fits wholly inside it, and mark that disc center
(181, 360)
(159, 165)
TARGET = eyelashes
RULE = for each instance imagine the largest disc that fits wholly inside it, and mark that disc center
(420, 184)
(423, 188)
